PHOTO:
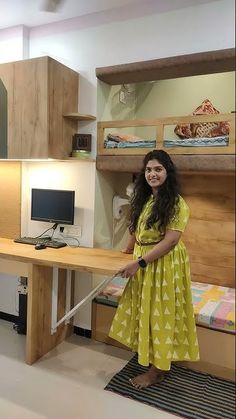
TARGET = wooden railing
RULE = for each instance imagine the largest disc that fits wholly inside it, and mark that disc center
(159, 125)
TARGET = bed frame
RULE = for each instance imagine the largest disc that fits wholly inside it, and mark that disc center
(160, 124)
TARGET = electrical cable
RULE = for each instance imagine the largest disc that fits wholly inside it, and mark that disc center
(51, 228)
(70, 237)
(49, 238)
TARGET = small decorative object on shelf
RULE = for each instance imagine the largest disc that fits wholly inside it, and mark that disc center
(81, 146)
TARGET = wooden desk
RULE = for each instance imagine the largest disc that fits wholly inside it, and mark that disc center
(39, 267)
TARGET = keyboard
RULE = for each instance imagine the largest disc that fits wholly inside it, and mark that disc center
(45, 240)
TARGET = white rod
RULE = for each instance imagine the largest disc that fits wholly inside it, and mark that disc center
(68, 292)
(54, 300)
(88, 298)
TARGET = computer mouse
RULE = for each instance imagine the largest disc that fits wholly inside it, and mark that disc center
(40, 246)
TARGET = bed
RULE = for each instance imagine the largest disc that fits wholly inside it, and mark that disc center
(137, 137)
(214, 309)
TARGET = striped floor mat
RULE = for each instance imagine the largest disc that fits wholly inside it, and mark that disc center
(185, 393)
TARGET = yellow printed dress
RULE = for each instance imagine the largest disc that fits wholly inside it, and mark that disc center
(155, 315)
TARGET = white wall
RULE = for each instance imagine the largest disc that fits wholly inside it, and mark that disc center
(75, 176)
(14, 44)
(184, 31)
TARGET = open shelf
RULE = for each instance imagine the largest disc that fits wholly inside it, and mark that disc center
(79, 117)
(82, 160)
(76, 159)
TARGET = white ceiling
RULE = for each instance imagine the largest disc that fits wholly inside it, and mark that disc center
(32, 12)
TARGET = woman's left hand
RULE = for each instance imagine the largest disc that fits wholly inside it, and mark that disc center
(128, 270)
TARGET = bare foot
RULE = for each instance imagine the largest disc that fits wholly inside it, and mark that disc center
(152, 376)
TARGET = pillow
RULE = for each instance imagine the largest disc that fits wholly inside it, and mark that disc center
(123, 137)
(203, 129)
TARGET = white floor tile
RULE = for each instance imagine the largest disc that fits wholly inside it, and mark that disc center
(68, 383)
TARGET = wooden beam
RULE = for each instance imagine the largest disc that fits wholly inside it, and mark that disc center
(220, 163)
(169, 67)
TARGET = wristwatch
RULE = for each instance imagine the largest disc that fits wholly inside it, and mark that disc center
(142, 263)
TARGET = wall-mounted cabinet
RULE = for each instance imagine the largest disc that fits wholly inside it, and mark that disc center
(39, 92)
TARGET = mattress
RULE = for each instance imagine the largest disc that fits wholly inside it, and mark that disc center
(214, 306)
(198, 142)
(222, 141)
(130, 144)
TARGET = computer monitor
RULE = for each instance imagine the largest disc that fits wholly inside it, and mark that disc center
(54, 206)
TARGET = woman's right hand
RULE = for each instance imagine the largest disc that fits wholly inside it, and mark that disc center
(129, 270)
(127, 250)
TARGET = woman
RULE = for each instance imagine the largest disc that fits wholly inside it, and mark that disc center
(155, 315)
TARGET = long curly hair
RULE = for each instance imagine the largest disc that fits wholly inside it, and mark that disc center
(168, 194)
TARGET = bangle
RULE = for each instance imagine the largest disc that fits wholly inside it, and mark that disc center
(142, 263)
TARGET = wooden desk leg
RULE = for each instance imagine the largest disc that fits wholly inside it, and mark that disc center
(39, 339)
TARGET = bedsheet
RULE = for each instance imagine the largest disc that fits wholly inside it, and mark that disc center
(130, 144)
(176, 142)
(214, 306)
(198, 142)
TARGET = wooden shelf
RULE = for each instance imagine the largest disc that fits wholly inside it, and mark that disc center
(79, 117)
(79, 160)
(209, 62)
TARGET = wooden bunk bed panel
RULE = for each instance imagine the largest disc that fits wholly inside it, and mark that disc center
(210, 234)
(159, 140)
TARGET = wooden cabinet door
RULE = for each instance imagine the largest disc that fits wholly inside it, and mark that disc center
(38, 92)
(62, 97)
(3, 120)
(26, 85)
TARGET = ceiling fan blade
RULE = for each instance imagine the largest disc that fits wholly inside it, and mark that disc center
(52, 5)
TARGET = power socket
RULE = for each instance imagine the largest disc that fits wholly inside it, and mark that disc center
(22, 289)
(73, 231)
